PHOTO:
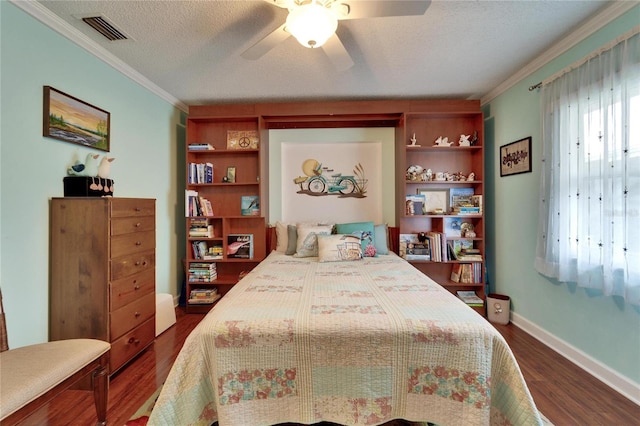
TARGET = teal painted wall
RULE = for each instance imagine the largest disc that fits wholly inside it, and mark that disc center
(145, 141)
(603, 328)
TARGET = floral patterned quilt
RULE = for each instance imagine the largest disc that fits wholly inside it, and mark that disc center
(354, 343)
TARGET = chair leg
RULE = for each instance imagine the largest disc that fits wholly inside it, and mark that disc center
(101, 392)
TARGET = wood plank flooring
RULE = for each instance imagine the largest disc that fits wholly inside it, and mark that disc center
(562, 391)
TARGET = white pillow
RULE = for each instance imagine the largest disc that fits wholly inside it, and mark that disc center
(282, 237)
(307, 244)
(339, 247)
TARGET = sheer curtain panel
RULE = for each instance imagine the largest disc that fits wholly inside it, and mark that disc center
(589, 219)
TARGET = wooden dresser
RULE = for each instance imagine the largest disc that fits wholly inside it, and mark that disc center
(102, 270)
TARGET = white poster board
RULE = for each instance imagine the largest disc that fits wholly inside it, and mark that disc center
(333, 182)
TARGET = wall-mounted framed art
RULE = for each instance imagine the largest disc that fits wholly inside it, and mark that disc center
(515, 157)
(70, 119)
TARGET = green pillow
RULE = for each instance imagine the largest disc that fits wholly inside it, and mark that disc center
(364, 230)
(380, 239)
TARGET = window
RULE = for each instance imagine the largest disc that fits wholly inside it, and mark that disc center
(589, 224)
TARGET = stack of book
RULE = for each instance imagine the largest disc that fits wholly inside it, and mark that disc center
(202, 272)
(470, 298)
(200, 147)
(203, 296)
(200, 227)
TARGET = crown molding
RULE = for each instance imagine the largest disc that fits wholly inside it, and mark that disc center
(51, 20)
(593, 24)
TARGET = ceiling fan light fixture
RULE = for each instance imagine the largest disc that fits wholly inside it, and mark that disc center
(311, 24)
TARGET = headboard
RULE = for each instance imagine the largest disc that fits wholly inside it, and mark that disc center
(394, 238)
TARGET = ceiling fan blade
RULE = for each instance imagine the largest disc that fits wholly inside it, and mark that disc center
(337, 53)
(379, 8)
(266, 44)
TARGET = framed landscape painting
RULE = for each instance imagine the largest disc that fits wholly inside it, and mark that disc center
(69, 119)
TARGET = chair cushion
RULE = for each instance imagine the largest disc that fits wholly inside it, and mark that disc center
(30, 371)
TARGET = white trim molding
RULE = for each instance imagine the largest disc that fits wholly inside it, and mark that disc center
(595, 23)
(597, 369)
(51, 20)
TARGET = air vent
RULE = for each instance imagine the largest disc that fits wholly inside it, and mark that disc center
(104, 27)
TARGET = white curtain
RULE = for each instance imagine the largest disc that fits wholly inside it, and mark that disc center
(589, 222)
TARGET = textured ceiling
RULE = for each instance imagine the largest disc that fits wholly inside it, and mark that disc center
(460, 49)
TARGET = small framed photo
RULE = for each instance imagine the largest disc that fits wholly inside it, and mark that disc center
(69, 119)
(436, 201)
(231, 174)
(515, 157)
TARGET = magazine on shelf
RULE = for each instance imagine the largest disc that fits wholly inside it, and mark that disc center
(240, 246)
(250, 205)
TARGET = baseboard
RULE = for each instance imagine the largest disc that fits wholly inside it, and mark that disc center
(615, 380)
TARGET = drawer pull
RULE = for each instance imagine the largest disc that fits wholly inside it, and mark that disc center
(144, 263)
(138, 225)
(138, 243)
(136, 287)
(138, 209)
(137, 263)
(137, 314)
(134, 340)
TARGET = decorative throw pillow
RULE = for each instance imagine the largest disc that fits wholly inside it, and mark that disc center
(282, 237)
(364, 230)
(338, 247)
(292, 230)
(381, 238)
(307, 245)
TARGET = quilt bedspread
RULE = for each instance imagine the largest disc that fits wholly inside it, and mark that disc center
(355, 343)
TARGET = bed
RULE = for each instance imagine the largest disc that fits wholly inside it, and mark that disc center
(350, 342)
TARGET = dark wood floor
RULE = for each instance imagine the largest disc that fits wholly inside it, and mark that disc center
(562, 391)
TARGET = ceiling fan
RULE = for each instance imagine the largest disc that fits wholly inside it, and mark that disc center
(314, 22)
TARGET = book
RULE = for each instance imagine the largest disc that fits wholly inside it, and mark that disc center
(456, 269)
(240, 246)
(250, 205)
(470, 298)
(457, 246)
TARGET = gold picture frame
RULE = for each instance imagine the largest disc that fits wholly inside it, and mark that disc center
(231, 174)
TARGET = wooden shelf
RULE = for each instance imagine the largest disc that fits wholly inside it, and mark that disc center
(225, 197)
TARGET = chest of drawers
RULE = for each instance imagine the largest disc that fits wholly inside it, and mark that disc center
(102, 263)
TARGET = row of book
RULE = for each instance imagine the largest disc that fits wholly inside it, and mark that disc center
(201, 251)
(200, 173)
(196, 205)
(201, 296)
(467, 273)
(200, 272)
(200, 227)
(436, 247)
